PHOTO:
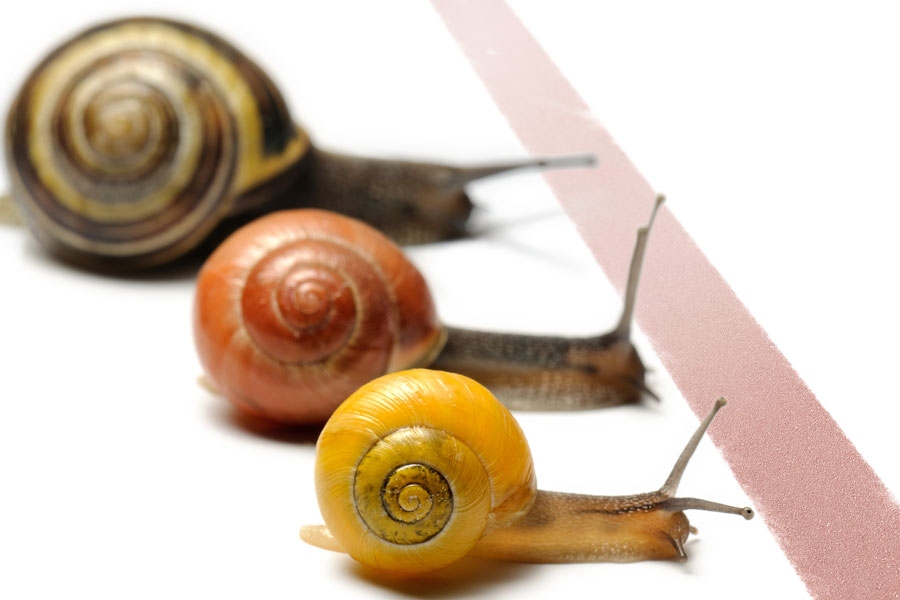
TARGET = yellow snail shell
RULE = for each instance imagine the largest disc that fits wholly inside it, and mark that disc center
(413, 490)
(131, 141)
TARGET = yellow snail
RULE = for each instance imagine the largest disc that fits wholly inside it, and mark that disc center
(128, 144)
(299, 308)
(420, 468)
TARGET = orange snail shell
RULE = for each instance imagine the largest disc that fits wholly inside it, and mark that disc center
(299, 308)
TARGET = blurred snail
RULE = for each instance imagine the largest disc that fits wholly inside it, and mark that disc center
(420, 468)
(133, 140)
(296, 310)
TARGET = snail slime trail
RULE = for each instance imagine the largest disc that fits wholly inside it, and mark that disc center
(528, 372)
(129, 144)
(376, 442)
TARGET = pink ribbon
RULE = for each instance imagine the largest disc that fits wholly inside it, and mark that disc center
(833, 517)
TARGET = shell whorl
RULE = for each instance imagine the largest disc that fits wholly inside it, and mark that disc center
(296, 310)
(406, 497)
(416, 466)
(131, 141)
(306, 299)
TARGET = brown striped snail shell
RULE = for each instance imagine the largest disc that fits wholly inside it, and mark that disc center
(133, 140)
(130, 142)
(297, 309)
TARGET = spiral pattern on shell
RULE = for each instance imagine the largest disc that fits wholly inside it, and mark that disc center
(299, 308)
(416, 466)
(131, 141)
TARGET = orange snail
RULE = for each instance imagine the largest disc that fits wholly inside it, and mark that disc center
(420, 468)
(131, 142)
(296, 310)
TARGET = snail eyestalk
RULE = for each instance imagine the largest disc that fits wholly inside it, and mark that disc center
(671, 485)
(634, 273)
(460, 176)
(676, 504)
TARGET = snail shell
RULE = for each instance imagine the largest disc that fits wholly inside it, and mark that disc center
(131, 141)
(296, 310)
(415, 467)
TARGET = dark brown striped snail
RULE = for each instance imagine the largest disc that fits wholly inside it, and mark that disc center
(132, 141)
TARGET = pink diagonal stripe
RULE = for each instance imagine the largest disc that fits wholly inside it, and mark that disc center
(834, 518)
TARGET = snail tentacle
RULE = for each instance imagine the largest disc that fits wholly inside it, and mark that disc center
(623, 329)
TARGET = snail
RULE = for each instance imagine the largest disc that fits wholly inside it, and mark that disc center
(297, 309)
(420, 468)
(131, 142)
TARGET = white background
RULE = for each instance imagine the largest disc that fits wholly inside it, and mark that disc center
(772, 129)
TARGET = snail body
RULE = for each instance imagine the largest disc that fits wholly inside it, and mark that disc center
(299, 308)
(392, 421)
(130, 143)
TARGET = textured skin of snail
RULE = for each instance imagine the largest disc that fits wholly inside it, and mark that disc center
(533, 372)
(415, 467)
(296, 310)
(130, 142)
